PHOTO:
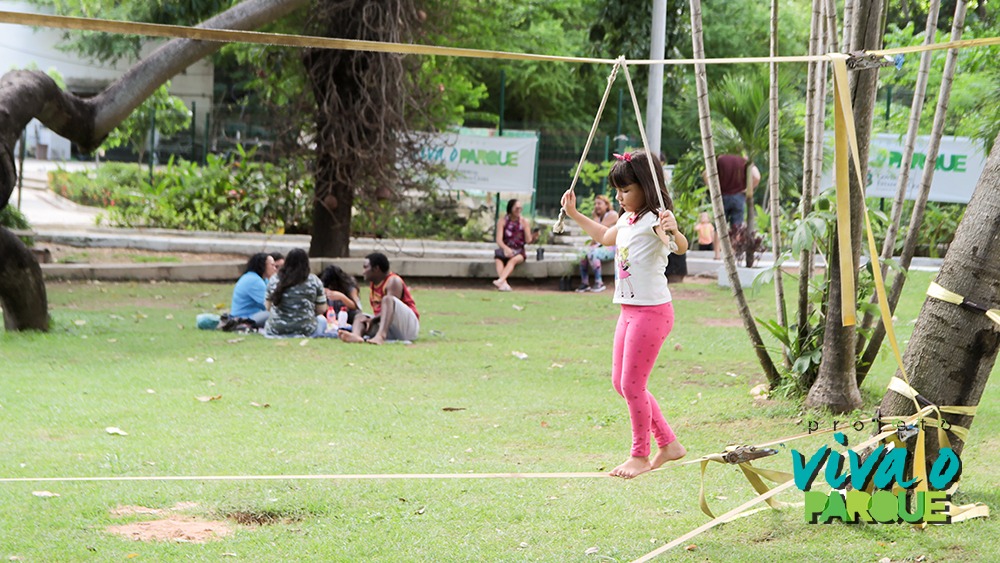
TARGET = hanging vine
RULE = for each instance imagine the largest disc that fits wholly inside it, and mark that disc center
(367, 105)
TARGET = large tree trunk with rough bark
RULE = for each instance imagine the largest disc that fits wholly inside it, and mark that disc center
(952, 350)
(365, 102)
(920, 202)
(712, 171)
(836, 386)
(29, 94)
(22, 291)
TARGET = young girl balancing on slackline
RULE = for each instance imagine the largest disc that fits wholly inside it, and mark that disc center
(647, 315)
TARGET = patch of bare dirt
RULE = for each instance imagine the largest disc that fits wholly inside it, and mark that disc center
(64, 254)
(186, 529)
(173, 527)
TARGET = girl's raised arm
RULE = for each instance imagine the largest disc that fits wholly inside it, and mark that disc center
(604, 235)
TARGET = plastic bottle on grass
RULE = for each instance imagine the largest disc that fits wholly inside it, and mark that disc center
(331, 320)
(342, 319)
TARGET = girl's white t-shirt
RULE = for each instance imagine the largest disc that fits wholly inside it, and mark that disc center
(640, 261)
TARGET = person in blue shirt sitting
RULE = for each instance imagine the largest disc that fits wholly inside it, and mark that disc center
(248, 295)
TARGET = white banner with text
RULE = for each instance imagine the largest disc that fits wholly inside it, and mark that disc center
(959, 164)
(488, 164)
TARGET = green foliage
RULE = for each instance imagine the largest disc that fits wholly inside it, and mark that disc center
(172, 116)
(11, 218)
(971, 111)
(432, 216)
(110, 47)
(534, 91)
(742, 102)
(233, 194)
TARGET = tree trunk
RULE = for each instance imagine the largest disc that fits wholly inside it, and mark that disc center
(364, 106)
(836, 386)
(774, 184)
(920, 204)
(916, 108)
(808, 160)
(751, 222)
(22, 289)
(712, 170)
(952, 350)
(849, 21)
(31, 94)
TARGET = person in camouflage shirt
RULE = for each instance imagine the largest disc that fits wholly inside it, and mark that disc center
(296, 300)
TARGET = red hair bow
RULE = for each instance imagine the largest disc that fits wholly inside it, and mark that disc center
(627, 157)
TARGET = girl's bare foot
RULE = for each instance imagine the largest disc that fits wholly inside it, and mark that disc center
(670, 452)
(635, 466)
(498, 283)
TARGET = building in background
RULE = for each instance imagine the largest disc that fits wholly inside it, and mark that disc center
(25, 47)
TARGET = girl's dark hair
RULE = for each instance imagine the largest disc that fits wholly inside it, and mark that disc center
(294, 272)
(277, 256)
(335, 278)
(634, 169)
(257, 264)
(510, 205)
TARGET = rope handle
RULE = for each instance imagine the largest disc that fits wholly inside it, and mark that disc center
(560, 226)
(671, 241)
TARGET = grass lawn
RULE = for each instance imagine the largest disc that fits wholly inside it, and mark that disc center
(458, 401)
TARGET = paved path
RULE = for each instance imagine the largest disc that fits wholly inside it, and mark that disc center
(59, 221)
(44, 209)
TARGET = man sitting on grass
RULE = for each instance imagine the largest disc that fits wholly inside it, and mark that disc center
(395, 313)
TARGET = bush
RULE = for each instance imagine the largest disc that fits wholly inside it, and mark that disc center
(232, 194)
(11, 218)
(434, 216)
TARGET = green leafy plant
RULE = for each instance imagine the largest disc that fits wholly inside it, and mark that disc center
(746, 243)
(232, 193)
(171, 116)
(432, 216)
(11, 218)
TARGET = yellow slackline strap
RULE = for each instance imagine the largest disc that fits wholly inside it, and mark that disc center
(942, 294)
(961, 44)
(279, 39)
(844, 140)
(903, 388)
(287, 40)
(753, 475)
(736, 512)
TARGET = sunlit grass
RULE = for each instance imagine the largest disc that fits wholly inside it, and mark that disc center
(458, 401)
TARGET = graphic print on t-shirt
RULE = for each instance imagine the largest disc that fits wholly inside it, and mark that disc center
(623, 273)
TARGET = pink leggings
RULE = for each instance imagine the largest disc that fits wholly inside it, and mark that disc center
(639, 336)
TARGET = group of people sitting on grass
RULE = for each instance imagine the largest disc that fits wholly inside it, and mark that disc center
(282, 298)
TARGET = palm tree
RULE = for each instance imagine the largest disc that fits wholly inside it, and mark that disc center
(917, 216)
(712, 172)
(742, 102)
(836, 386)
(773, 178)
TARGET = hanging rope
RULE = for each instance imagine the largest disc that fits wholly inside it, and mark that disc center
(560, 225)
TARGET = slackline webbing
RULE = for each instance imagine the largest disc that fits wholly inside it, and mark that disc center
(290, 40)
